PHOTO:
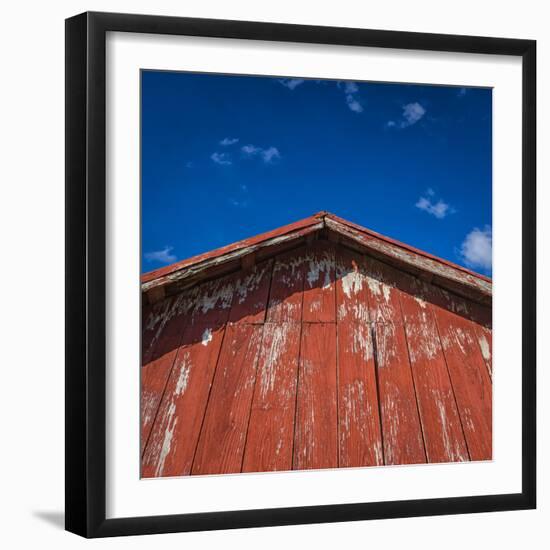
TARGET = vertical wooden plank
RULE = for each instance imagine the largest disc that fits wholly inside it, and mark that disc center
(153, 381)
(351, 287)
(443, 434)
(154, 374)
(382, 294)
(401, 428)
(223, 435)
(287, 285)
(485, 339)
(171, 446)
(470, 379)
(271, 428)
(315, 441)
(359, 432)
(360, 438)
(251, 294)
(319, 305)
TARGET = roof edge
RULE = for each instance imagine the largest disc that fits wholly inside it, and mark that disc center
(423, 264)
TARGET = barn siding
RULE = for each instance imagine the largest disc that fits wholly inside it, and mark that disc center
(318, 358)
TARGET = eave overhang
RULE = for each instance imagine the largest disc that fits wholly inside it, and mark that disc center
(179, 276)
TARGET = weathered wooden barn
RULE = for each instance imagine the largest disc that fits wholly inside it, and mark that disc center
(318, 345)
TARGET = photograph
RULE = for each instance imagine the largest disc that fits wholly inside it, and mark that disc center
(316, 274)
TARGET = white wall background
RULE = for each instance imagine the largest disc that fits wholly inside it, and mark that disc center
(32, 259)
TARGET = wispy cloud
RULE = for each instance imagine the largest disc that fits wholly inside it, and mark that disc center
(350, 89)
(353, 100)
(354, 104)
(250, 149)
(270, 154)
(439, 208)
(412, 113)
(238, 203)
(267, 155)
(291, 83)
(477, 248)
(163, 256)
(228, 141)
(221, 158)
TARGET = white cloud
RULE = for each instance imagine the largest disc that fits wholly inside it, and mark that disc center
(412, 113)
(221, 158)
(162, 256)
(228, 141)
(477, 248)
(351, 90)
(353, 104)
(270, 154)
(351, 87)
(439, 209)
(291, 83)
(250, 149)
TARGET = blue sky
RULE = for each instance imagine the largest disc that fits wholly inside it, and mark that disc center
(227, 157)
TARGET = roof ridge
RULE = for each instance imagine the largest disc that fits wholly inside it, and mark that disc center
(259, 247)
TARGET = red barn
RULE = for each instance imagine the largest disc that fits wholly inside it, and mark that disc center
(318, 345)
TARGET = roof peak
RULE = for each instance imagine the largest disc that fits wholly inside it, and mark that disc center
(249, 251)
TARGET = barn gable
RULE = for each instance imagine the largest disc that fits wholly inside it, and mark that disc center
(319, 345)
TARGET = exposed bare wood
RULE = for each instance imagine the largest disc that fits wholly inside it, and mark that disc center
(230, 258)
(320, 355)
(243, 249)
(221, 445)
(443, 271)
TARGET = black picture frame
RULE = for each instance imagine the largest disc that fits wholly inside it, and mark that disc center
(86, 284)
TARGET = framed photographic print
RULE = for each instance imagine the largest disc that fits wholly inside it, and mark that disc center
(300, 274)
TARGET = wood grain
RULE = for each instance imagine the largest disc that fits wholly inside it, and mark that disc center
(320, 357)
(287, 285)
(223, 435)
(402, 433)
(485, 339)
(360, 438)
(443, 435)
(213, 300)
(251, 294)
(174, 436)
(470, 379)
(315, 441)
(271, 432)
(351, 287)
(319, 289)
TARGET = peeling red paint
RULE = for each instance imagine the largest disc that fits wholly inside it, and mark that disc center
(319, 357)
